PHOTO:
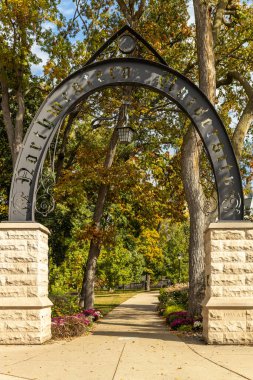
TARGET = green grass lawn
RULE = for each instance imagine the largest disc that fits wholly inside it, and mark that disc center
(106, 301)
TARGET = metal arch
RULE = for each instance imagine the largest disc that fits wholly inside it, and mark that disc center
(118, 72)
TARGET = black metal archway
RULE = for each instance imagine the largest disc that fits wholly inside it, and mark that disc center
(120, 72)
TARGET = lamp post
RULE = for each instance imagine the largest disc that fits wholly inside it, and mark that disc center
(179, 266)
(248, 204)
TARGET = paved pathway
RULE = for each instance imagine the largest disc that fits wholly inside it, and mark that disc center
(131, 343)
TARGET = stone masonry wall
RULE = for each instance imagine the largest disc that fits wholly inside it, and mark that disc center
(228, 305)
(25, 310)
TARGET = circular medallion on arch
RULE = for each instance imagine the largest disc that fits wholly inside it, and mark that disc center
(127, 44)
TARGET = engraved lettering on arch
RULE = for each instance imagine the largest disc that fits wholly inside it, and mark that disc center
(31, 159)
(222, 158)
(206, 123)
(228, 181)
(46, 123)
(65, 97)
(217, 147)
(232, 199)
(77, 87)
(166, 80)
(200, 111)
(21, 202)
(25, 175)
(111, 72)
(115, 72)
(225, 167)
(34, 146)
(87, 79)
(55, 109)
(190, 101)
(214, 133)
(182, 93)
(37, 134)
(99, 75)
(126, 72)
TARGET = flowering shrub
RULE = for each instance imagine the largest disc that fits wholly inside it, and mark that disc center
(69, 326)
(197, 325)
(95, 314)
(175, 315)
(74, 325)
(183, 321)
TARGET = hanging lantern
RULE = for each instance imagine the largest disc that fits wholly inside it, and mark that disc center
(125, 135)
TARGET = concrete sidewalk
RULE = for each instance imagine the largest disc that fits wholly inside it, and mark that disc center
(131, 343)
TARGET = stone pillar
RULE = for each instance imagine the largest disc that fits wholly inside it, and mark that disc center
(228, 304)
(25, 310)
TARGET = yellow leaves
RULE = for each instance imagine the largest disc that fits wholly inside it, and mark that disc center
(148, 246)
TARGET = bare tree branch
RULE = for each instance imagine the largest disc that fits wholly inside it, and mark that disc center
(19, 123)
(242, 128)
(140, 10)
(244, 83)
(124, 10)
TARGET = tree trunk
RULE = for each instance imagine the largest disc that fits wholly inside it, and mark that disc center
(147, 282)
(190, 159)
(195, 200)
(14, 132)
(6, 112)
(87, 292)
(205, 49)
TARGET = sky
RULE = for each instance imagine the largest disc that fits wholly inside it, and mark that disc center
(67, 8)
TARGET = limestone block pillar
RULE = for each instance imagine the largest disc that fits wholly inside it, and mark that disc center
(228, 304)
(25, 309)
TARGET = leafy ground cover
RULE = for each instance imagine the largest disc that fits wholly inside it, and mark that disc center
(173, 303)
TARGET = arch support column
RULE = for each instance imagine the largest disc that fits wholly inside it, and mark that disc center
(228, 304)
(25, 309)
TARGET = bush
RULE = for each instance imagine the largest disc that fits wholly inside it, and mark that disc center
(172, 309)
(177, 321)
(64, 304)
(173, 296)
(186, 328)
(176, 315)
(70, 326)
(165, 299)
(74, 325)
(173, 302)
(181, 297)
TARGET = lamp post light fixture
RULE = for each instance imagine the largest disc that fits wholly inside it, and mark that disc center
(125, 134)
